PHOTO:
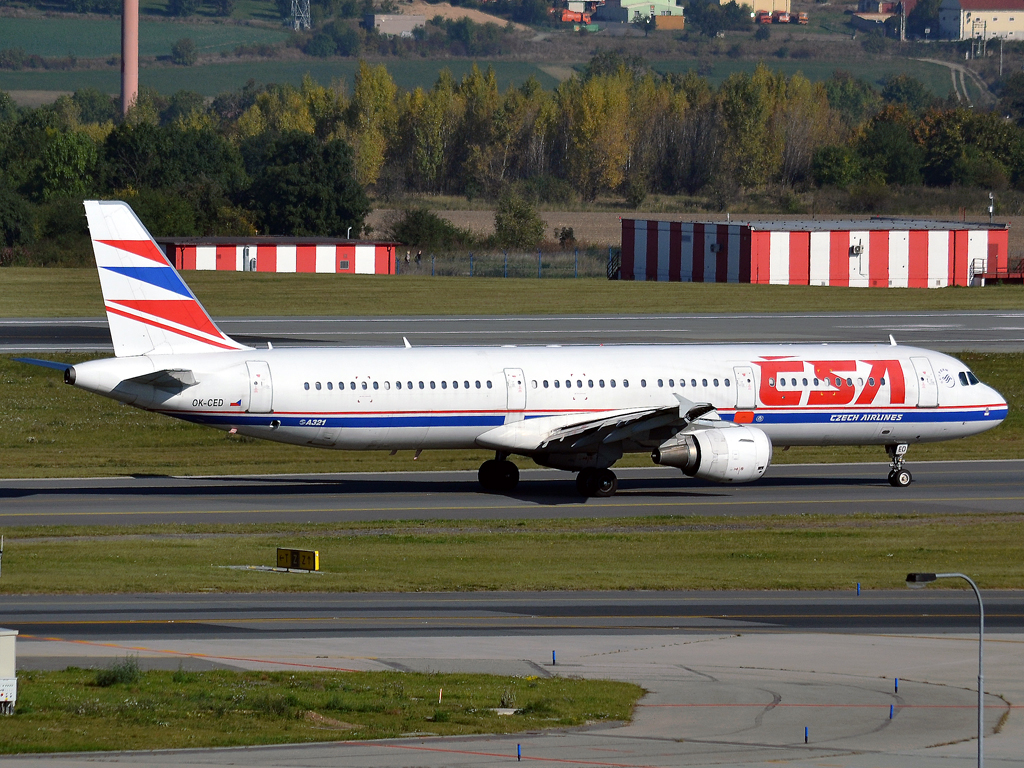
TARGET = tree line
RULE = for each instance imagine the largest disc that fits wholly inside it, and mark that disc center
(290, 160)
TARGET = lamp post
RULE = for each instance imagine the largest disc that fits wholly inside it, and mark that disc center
(920, 581)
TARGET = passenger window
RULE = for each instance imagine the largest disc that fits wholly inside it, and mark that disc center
(703, 382)
(398, 385)
(387, 385)
(881, 381)
(444, 385)
(478, 384)
(771, 382)
(433, 385)
(579, 384)
(557, 383)
(305, 385)
(849, 382)
(341, 385)
(671, 382)
(364, 385)
(693, 382)
(534, 383)
(545, 383)
(590, 383)
(815, 382)
(318, 385)
(376, 385)
(409, 385)
(465, 385)
(625, 382)
(351, 385)
(612, 382)
(330, 385)
(727, 382)
(963, 379)
(682, 382)
(716, 382)
(421, 385)
(871, 381)
(600, 383)
(455, 385)
(488, 385)
(661, 382)
(860, 382)
(568, 384)
(643, 382)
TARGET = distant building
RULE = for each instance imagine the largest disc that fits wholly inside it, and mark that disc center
(626, 10)
(969, 19)
(393, 24)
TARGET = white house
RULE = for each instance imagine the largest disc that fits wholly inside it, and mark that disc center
(968, 19)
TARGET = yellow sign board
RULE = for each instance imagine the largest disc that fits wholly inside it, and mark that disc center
(298, 559)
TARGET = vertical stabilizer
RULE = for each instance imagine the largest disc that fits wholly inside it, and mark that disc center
(150, 310)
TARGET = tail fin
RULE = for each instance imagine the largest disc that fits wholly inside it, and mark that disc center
(150, 310)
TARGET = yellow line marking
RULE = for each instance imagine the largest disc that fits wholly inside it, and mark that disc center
(539, 505)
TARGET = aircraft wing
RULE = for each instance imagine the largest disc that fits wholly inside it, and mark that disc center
(169, 378)
(571, 433)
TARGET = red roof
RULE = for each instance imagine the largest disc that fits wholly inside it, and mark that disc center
(992, 5)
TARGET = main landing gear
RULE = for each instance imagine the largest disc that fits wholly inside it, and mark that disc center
(498, 475)
(898, 476)
(597, 482)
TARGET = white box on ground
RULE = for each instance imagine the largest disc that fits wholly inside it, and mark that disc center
(8, 675)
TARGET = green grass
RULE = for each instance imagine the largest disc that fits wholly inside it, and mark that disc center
(214, 79)
(935, 76)
(53, 430)
(66, 711)
(664, 553)
(101, 37)
(42, 292)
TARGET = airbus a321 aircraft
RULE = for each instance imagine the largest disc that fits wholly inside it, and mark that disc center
(712, 411)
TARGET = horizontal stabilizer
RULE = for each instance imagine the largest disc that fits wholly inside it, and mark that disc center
(43, 363)
(171, 378)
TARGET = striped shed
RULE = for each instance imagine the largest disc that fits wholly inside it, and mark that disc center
(878, 252)
(281, 254)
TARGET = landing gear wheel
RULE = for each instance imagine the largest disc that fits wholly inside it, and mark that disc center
(900, 479)
(601, 483)
(498, 476)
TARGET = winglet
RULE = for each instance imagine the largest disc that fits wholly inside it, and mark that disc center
(892, 341)
(407, 344)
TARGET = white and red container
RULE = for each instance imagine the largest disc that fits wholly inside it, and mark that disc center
(282, 255)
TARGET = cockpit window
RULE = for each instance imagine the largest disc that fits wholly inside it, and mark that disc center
(963, 379)
(972, 378)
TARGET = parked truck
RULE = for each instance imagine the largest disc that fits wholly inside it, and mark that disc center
(763, 17)
(780, 17)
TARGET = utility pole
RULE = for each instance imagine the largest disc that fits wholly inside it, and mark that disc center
(300, 14)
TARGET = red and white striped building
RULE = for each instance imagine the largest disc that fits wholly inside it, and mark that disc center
(894, 253)
(281, 254)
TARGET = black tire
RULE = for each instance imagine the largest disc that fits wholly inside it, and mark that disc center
(892, 478)
(489, 476)
(903, 479)
(606, 483)
(509, 476)
(586, 482)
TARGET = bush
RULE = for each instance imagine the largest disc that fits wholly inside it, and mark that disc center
(183, 7)
(516, 223)
(764, 32)
(321, 45)
(123, 672)
(422, 228)
(15, 218)
(184, 52)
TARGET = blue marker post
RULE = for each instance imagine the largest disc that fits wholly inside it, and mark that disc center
(806, 733)
(890, 711)
(552, 658)
(897, 687)
(519, 752)
(858, 589)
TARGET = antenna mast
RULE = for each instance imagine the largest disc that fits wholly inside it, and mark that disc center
(300, 12)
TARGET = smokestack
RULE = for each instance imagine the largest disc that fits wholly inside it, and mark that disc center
(129, 54)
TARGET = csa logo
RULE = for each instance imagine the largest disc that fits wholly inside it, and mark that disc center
(946, 377)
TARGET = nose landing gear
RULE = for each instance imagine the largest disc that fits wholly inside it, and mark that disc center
(498, 475)
(898, 476)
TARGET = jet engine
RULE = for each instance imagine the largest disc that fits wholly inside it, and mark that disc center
(725, 454)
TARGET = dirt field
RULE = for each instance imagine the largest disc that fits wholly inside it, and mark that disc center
(430, 10)
(605, 229)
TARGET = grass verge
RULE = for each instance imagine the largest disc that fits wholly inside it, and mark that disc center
(40, 292)
(658, 553)
(68, 711)
(53, 430)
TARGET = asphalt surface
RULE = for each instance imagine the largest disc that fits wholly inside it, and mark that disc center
(939, 487)
(994, 331)
(247, 617)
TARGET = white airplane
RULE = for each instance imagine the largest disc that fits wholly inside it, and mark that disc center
(712, 411)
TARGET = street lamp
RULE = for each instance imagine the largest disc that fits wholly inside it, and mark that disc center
(920, 581)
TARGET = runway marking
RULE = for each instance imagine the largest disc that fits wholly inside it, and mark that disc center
(144, 649)
(538, 505)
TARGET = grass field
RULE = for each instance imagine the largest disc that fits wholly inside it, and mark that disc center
(100, 37)
(40, 292)
(213, 79)
(934, 76)
(678, 552)
(69, 711)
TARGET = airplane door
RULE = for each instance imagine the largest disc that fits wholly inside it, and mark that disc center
(927, 388)
(261, 389)
(516, 384)
(744, 386)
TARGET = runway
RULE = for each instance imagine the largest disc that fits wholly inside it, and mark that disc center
(993, 331)
(938, 487)
(503, 614)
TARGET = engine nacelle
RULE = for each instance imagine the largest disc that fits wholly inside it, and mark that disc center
(726, 454)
